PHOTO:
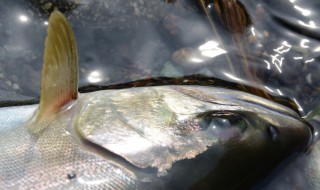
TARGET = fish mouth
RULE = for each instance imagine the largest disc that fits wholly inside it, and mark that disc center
(239, 163)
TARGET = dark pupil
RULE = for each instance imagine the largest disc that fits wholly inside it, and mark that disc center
(224, 125)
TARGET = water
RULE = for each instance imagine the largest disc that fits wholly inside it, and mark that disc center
(274, 49)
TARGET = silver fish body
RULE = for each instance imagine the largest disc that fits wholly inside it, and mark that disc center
(165, 137)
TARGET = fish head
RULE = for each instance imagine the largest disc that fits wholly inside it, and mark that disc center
(200, 137)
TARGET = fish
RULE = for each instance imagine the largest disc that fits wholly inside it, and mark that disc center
(160, 137)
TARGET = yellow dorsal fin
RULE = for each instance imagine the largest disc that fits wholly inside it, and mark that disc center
(60, 68)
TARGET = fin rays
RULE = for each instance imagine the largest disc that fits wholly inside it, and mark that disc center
(60, 68)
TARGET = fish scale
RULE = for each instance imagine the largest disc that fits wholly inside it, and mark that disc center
(56, 151)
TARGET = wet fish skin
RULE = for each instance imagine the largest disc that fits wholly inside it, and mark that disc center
(301, 172)
(256, 147)
(47, 161)
(64, 149)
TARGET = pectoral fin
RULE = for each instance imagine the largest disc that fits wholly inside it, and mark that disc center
(60, 68)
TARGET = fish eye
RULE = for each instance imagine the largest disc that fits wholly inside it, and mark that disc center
(224, 125)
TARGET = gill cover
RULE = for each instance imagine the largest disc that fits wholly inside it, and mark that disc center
(60, 68)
